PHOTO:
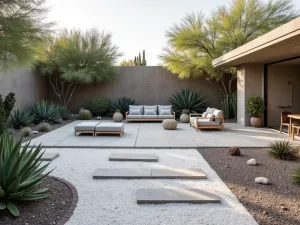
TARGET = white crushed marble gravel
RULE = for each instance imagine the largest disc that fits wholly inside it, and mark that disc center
(113, 202)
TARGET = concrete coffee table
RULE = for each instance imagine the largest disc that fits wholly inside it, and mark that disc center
(109, 128)
(86, 128)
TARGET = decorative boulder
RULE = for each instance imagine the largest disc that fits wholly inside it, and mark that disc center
(184, 118)
(169, 124)
(252, 162)
(261, 180)
(117, 117)
(235, 151)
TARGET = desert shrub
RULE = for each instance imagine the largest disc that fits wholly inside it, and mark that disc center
(255, 106)
(98, 106)
(190, 100)
(20, 118)
(20, 173)
(296, 176)
(282, 150)
(63, 111)
(2, 117)
(8, 104)
(26, 131)
(44, 127)
(45, 112)
(121, 104)
(84, 114)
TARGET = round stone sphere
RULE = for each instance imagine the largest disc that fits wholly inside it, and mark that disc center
(169, 124)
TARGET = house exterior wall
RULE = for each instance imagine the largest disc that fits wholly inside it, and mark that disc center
(249, 83)
(147, 84)
(28, 87)
(283, 87)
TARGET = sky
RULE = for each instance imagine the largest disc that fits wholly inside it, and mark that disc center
(135, 25)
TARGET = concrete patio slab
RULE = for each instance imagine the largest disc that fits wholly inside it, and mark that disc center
(122, 173)
(133, 157)
(152, 135)
(178, 173)
(49, 156)
(162, 196)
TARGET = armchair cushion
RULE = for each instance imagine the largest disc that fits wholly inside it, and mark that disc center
(210, 110)
(218, 113)
(210, 116)
(204, 114)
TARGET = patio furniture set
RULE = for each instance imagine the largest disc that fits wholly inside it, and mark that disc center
(288, 119)
(211, 119)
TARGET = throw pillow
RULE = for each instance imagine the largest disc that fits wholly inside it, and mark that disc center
(135, 112)
(165, 112)
(150, 112)
(204, 114)
(211, 116)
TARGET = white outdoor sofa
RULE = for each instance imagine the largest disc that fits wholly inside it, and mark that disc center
(211, 119)
(149, 113)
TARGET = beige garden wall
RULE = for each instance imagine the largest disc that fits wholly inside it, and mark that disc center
(28, 87)
(283, 91)
(148, 85)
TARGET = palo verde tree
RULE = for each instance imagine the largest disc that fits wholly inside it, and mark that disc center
(74, 58)
(22, 27)
(129, 62)
(197, 40)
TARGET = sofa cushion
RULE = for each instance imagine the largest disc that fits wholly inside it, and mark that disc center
(135, 112)
(150, 116)
(140, 107)
(204, 114)
(165, 112)
(164, 107)
(110, 127)
(210, 110)
(151, 107)
(218, 113)
(210, 116)
(150, 112)
(165, 116)
(86, 126)
(134, 116)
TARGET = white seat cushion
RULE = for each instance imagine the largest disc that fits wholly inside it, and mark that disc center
(86, 126)
(219, 114)
(134, 116)
(150, 116)
(165, 116)
(110, 127)
(210, 110)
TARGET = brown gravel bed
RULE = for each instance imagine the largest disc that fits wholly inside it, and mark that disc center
(42, 212)
(274, 204)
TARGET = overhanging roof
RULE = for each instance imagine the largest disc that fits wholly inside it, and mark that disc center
(280, 43)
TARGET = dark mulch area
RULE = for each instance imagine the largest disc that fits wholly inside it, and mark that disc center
(45, 211)
(277, 203)
(17, 133)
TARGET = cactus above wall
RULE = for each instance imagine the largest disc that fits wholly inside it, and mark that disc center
(138, 61)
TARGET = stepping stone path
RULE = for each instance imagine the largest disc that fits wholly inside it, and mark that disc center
(49, 156)
(133, 157)
(161, 196)
(125, 173)
(177, 173)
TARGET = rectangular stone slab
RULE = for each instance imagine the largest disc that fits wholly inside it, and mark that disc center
(49, 156)
(123, 173)
(133, 157)
(178, 173)
(162, 196)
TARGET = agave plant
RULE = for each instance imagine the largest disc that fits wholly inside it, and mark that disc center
(296, 176)
(45, 112)
(121, 104)
(283, 150)
(20, 173)
(20, 118)
(190, 100)
(63, 111)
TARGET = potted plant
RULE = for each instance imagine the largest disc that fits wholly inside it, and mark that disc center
(255, 108)
(185, 118)
(117, 117)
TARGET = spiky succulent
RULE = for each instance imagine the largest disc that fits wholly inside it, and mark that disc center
(296, 176)
(121, 104)
(20, 173)
(20, 118)
(45, 112)
(187, 99)
(63, 112)
(283, 150)
(44, 127)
